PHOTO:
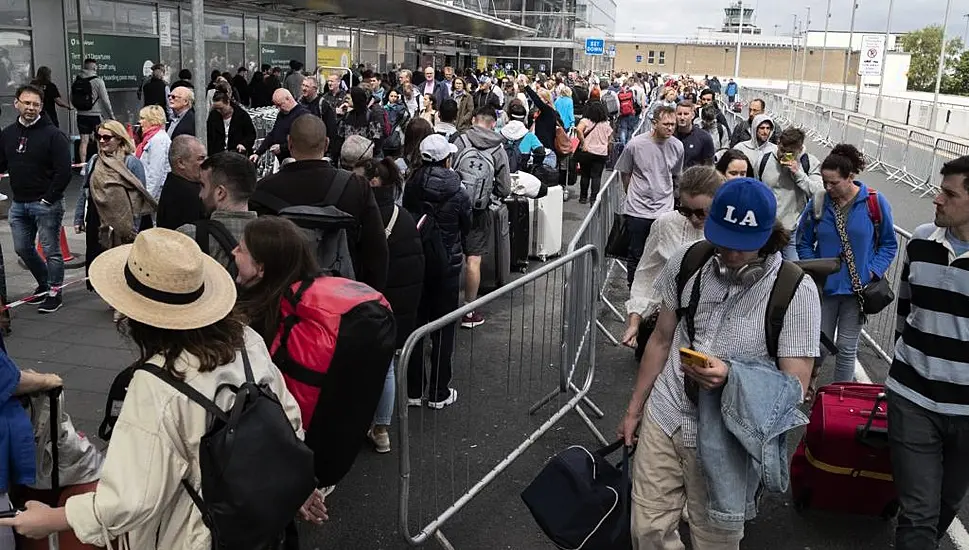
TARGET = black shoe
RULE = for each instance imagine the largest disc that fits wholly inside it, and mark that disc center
(52, 303)
(583, 200)
(38, 297)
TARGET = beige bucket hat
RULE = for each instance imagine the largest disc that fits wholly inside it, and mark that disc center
(164, 280)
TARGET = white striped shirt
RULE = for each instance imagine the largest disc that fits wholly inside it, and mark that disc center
(931, 364)
(729, 324)
(667, 235)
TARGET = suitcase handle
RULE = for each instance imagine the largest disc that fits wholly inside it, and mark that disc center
(55, 421)
(863, 433)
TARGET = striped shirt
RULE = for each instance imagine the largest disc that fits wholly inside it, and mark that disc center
(729, 323)
(931, 365)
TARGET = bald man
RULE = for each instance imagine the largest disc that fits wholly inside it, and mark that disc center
(276, 141)
(432, 87)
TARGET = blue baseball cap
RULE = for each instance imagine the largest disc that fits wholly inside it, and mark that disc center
(742, 215)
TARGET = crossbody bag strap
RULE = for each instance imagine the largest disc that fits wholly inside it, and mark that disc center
(849, 255)
(337, 188)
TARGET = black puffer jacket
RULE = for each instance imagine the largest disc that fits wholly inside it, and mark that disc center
(405, 270)
(438, 190)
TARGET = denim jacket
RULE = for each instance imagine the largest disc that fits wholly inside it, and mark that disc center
(741, 440)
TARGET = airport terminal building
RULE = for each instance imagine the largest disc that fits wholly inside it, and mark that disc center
(127, 37)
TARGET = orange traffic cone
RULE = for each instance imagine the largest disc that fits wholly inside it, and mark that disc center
(71, 260)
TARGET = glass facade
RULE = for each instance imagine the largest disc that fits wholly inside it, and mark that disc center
(563, 23)
(16, 54)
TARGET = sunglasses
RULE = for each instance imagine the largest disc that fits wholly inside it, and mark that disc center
(700, 213)
(105, 137)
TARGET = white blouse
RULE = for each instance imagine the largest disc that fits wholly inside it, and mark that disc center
(669, 233)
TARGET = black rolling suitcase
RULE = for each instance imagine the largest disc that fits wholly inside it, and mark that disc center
(518, 231)
(496, 263)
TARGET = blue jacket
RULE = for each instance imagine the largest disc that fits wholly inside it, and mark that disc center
(566, 110)
(819, 239)
(18, 457)
(741, 440)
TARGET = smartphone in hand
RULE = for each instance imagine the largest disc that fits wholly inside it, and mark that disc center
(693, 358)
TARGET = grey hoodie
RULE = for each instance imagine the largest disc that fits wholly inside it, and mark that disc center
(482, 139)
(792, 188)
(751, 148)
(102, 103)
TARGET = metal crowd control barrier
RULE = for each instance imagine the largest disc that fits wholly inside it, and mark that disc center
(908, 156)
(449, 456)
(594, 230)
(879, 331)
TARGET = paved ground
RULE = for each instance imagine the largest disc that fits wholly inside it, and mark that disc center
(500, 368)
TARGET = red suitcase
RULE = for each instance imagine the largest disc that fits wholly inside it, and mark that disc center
(843, 463)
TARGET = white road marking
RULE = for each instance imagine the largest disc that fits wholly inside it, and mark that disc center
(957, 531)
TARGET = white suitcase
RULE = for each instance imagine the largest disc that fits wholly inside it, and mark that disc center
(546, 219)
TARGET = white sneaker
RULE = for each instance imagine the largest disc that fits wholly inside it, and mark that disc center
(3, 197)
(415, 402)
(451, 398)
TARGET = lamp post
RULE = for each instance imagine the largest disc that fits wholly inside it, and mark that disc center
(740, 35)
(804, 53)
(851, 37)
(790, 72)
(881, 79)
(824, 48)
(938, 75)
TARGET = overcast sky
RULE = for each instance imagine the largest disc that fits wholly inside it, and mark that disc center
(648, 17)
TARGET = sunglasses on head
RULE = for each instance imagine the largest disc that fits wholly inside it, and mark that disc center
(700, 213)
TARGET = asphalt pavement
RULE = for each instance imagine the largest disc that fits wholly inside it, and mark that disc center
(500, 367)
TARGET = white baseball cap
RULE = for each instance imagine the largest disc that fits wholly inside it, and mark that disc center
(436, 148)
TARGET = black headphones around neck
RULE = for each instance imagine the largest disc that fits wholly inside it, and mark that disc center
(745, 275)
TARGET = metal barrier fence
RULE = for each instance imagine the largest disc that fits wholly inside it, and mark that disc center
(543, 323)
(909, 156)
(879, 330)
(594, 230)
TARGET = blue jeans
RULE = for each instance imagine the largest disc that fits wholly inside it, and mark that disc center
(28, 220)
(627, 127)
(789, 252)
(385, 407)
(841, 312)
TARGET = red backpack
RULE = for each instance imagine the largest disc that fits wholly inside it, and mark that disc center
(627, 105)
(335, 342)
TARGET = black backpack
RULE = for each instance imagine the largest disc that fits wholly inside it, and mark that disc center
(514, 156)
(256, 474)
(785, 286)
(223, 237)
(82, 94)
(328, 228)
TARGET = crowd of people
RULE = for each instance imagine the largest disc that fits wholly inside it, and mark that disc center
(198, 260)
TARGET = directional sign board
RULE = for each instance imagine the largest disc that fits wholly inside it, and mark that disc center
(612, 51)
(595, 46)
(872, 55)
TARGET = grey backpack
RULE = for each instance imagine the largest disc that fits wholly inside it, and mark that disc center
(477, 170)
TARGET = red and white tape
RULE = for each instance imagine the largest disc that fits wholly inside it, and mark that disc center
(27, 299)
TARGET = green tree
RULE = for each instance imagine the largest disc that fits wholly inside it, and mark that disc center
(924, 45)
(957, 83)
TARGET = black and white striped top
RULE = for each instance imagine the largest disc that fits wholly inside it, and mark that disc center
(729, 324)
(931, 366)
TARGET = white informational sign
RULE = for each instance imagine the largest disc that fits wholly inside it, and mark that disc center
(872, 55)
(165, 29)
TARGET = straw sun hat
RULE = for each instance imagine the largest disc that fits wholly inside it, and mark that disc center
(164, 280)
